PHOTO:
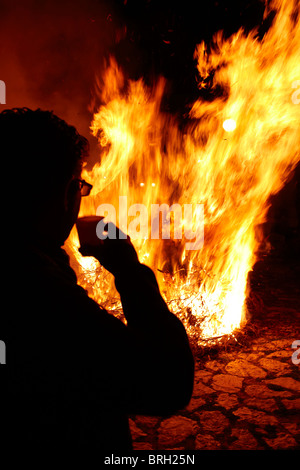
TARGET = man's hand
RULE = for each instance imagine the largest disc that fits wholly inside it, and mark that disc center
(117, 255)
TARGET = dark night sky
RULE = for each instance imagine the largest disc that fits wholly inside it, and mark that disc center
(51, 50)
(162, 35)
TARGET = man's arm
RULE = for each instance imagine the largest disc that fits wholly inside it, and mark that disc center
(160, 365)
(165, 361)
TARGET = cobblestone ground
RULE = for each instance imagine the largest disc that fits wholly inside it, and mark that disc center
(246, 397)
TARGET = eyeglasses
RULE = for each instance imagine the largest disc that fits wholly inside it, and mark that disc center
(84, 187)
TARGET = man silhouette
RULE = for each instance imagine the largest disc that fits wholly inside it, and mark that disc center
(73, 371)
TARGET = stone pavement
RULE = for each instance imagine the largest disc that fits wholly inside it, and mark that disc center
(246, 397)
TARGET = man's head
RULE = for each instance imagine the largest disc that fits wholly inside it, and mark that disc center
(42, 157)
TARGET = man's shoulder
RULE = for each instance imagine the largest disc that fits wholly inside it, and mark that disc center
(45, 297)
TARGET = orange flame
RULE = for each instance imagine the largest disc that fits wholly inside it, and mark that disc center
(231, 157)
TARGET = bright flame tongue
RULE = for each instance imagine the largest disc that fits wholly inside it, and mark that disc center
(148, 158)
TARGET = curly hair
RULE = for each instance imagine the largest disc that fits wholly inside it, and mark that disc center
(40, 153)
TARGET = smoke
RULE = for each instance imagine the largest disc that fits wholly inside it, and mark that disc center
(50, 53)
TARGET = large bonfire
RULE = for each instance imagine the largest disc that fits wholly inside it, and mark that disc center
(231, 155)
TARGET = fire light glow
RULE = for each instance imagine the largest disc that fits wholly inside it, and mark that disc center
(233, 178)
(229, 125)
